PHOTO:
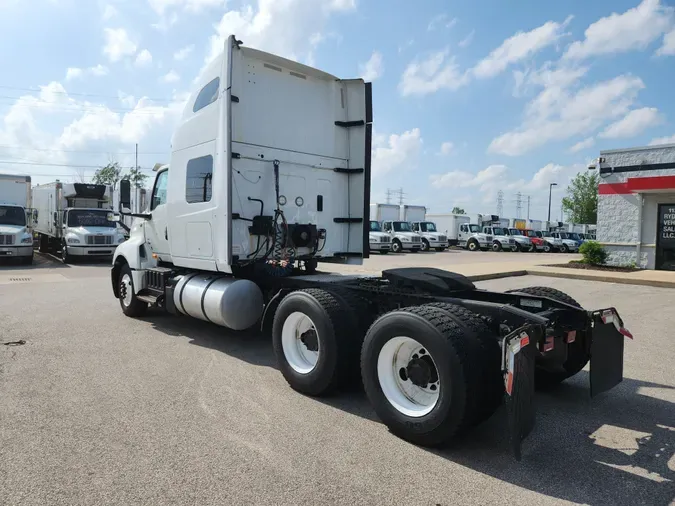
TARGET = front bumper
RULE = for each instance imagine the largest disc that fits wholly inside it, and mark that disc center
(103, 250)
(438, 244)
(380, 246)
(16, 251)
(411, 245)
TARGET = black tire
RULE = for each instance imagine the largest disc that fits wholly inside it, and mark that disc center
(27, 260)
(547, 248)
(384, 251)
(564, 249)
(310, 265)
(486, 357)
(473, 245)
(336, 334)
(425, 245)
(496, 246)
(66, 257)
(396, 246)
(131, 307)
(577, 354)
(413, 250)
(518, 247)
(445, 340)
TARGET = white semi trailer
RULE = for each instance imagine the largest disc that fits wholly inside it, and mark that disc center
(16, 237)
(75, 220)
(270, 175)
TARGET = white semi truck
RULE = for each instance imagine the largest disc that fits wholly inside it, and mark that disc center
(269, 175)
(16, 237)
(75, 220)
(402, 236)
(431, 236)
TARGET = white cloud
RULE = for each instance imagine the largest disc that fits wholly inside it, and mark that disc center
(143, 58)
(406, 45)
(373, 68)
(441, 21)
(558, 114)
(73, 73)
(117, 44)
(281, 27)
(634, 123)
(468, 39)
(663, 140)
(183, 53)
(635, 29)
(520, 46)
(109, 12)
(462, 179)
(396, 152)
(160, 6)
(171, 77)
(668, 47)
(446, 148)
(581, 145)
(165, 22)
(76, 73)
(438, 71)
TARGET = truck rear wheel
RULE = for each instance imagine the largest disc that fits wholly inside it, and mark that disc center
(418, 374)
(130, 304)
(577, 354)
(313, 337)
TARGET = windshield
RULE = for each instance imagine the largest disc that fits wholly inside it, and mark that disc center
(538, 234)
(498, 231)
(564, 235)
(427, 226)
(92, 218)
(574, 236)
(515, 231)
(530, 233)
(402, 226)
(474, 228)
(375, 227)
(11, 215)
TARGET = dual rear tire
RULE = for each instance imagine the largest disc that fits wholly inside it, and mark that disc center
(428, 371)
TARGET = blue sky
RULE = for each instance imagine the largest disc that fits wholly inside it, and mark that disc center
(469, 97)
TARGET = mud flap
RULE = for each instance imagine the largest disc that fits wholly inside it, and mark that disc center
(519, 354)
(607, 351)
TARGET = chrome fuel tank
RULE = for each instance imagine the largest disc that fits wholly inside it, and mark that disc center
(233, 303)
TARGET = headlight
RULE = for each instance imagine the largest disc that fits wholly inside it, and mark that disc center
(120, 240)
(73, 240)
(27, 240)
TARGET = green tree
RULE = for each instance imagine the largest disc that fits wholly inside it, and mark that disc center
(458, 210)
(110, 174)
(581, 203)
(136, 177)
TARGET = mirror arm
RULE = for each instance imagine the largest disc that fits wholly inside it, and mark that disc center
(136, 215)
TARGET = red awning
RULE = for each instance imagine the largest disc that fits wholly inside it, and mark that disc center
(638, 185)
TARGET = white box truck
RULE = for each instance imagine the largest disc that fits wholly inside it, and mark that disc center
(402, 236)
(432, 238)
(448, 224)
(75, 219)
(16, 237)
(435, 355)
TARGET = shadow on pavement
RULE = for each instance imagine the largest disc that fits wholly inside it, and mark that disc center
(617, 449)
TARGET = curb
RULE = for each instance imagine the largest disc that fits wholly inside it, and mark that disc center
(497, 275)
(603, 278)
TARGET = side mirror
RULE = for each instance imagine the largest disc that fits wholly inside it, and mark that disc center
(125, 194)
(113, 217)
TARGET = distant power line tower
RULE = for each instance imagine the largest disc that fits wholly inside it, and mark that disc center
(500, 203)
(519, 204)
(401, 196)
(389, 192)
(528, 207)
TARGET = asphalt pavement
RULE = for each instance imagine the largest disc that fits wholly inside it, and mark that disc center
(97, 408)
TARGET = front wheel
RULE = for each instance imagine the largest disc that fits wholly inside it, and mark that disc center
(396, 246)
(547, 248)
(473, 246)
(130, 304)
(496, 246)
(27, 260)
(517, 247)
(384, 251)
(425, 245)
(66, 257)
(564, 248)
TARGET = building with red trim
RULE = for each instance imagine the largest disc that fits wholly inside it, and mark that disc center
(636, 206)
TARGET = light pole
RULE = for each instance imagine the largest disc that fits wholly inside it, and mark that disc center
(550, 190)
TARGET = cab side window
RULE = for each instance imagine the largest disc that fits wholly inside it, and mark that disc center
(198, 177)
(387, 227)
(415, 227)
(159, 191)
(207, 95)
(462, 228)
